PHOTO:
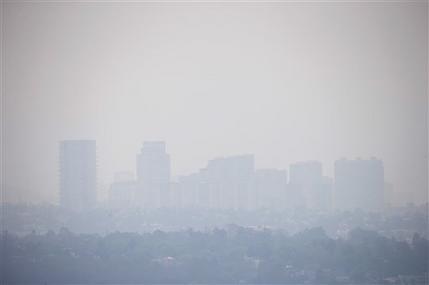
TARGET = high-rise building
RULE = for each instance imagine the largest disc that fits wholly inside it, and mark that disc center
(389, 195)
(122, 191)
(306, 172)
(78, 174)
(269, 189)
(153, 175)
(359, 184)
(229, 180)
(187, 190)
(308, 185)
(226, 183)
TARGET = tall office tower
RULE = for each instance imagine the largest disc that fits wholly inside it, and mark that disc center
(359, 184)
(153, 175)
(307, 181)
(78, 174)
(270, 189)
(229, 180)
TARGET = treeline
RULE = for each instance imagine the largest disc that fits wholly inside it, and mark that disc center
(401, 223)
(231, 255)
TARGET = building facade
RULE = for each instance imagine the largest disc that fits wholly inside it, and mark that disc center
(153, 175)
(78, 175)
(308, 187)
(359, 184)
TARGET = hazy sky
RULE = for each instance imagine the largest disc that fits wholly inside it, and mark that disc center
(285, 81)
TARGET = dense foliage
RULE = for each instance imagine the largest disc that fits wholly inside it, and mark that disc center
(231, 255)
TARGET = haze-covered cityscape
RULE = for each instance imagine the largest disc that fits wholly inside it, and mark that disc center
(228, 200)
(225, 183)
(214, 142)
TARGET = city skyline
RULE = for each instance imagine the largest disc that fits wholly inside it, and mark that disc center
(286, 81)
(124, 176)
(214, 142)
(158, 146)
(228, 182)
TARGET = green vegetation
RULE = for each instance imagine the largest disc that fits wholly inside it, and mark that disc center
(233, 255)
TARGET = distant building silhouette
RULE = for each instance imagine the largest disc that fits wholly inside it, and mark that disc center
(307, 183)
(153, 175)
(187, 190)
(122, 191)
(359, 184)
(326, 193)
(234, 183)
(225, 183)
(78, 174)
(230, 181)
(389, 195)
(270, 189)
